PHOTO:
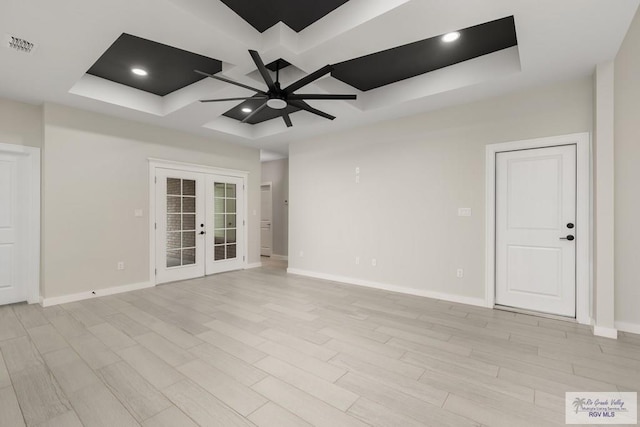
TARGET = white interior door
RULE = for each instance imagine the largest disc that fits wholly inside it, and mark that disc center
(266, 220)
(12, 280)
(180, 225)
(535, 229)
(225, 238)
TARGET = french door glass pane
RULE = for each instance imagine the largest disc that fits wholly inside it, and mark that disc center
(225, 221)
(181, 222)
(219, 253)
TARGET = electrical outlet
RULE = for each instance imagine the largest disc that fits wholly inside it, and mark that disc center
(357, 179)
(357, 170)
(120, 265)
(374, 262)
(357, 260)
(137, 213)
(460, 273)
(301, 254)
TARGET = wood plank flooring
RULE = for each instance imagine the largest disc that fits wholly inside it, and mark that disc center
(263, 348)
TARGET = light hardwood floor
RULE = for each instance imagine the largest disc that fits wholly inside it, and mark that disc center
(260, 347)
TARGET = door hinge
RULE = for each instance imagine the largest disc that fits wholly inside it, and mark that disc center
(243, 223)
(155, 225)
(243, 258)
(155, 179)
(156, 271)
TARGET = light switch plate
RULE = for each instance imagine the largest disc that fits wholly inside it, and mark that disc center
(464, 211)
(137, 213)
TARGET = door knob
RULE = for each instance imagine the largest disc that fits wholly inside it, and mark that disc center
(569, 237)
(570, 225)
(203, 232)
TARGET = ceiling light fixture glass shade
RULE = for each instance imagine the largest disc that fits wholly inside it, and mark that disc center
(139, 71)
(246, 110)
(277, 104)
(451, 37)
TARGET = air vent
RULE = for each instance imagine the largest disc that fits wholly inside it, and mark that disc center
(18, 44)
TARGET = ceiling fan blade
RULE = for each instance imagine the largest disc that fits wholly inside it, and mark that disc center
(234, 99)
(222, 79)
(304, 106)
(256, 111)
(286, 118)
(308, 79)
(299, 96)
(263, 70)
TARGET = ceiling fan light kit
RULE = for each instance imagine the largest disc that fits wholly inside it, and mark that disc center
(278, 98)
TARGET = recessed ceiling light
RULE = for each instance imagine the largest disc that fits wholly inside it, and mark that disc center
(451, 37)
(139, 71)
(246, 110)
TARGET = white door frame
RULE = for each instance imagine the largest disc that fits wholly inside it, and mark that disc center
(583, 215)
(31, 265)
(189, 167)
(270, 184)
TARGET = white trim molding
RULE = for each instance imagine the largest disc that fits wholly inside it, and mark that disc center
(64, 299)
(253, 265)
(31, 265)
(584, 288)
(279, 257)
(479, 302)
(633, 328)
(599, 331)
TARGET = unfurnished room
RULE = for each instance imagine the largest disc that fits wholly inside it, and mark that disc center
(332, 213)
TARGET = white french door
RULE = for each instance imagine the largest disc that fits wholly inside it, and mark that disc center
(535, 229)
(225, 223)
(199, 227)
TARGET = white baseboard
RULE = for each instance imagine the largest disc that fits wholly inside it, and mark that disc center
(48, 302)
(254, 265)
(600, 331)
(279, 257)
(633, 328)
(479, 302)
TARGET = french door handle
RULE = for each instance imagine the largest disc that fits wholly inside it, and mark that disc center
(570, 237)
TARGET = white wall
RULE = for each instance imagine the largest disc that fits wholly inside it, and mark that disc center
(95, 176)
(414, 175)
(277, 172)
(20, 123)
(627, 178)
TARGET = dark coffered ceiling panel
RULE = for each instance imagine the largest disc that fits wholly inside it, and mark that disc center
(262, 116)
(403, 62)
(168, 68)
(297, 14)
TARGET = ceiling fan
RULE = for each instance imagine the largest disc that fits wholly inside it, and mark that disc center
(278, 98)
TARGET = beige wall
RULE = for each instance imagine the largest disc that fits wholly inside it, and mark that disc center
(414, 175)
(95, 176)
(277, 172)
(20, 124)
(627, 178)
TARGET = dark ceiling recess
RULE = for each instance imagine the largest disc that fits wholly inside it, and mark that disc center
(262, 116)
(297, 14)
(169, 68)
(277, 64)
(403, 62)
